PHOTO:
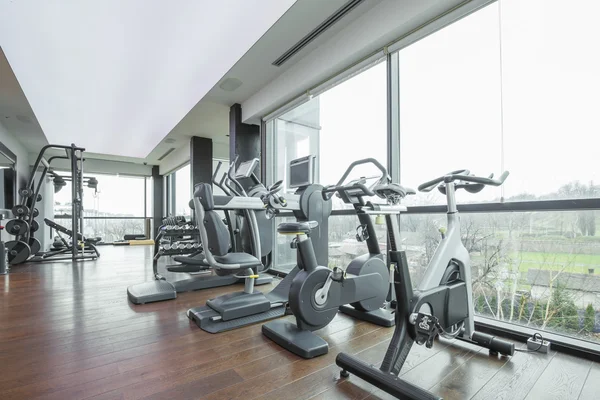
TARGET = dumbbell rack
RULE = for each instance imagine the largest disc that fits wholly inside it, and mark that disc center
(23, 226)
(176, 248)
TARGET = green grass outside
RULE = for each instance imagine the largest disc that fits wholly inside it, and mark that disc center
(574, 263)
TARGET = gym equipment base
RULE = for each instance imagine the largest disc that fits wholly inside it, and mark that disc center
(380, 316)
(161, 290)
(209, 320)
(301, 342)
(203, 317)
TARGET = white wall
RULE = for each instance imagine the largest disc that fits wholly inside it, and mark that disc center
(176, 159)
(375, 29)
(10, 141)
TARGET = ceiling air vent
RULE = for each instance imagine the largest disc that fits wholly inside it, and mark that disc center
(172, 149)
(333, 18)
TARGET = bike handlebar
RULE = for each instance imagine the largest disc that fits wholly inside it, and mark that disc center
(360, 162)
(385, 178)
(463, 175)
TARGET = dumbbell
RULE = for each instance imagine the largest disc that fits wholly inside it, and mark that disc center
(182, 246)
(167, 247)
(17, 227)
(20, 210)
(25, 192)
(189, 246)
(35, 226)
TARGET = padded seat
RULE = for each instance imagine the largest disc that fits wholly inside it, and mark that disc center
(244, 260)
(292, 228)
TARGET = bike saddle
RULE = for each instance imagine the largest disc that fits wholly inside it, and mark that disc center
(392, 189)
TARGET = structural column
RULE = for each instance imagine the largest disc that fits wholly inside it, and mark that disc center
(201, 160)
(244, 139)
(158, 198)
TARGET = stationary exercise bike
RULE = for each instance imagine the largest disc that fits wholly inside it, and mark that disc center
(317, 292)
(442, 305)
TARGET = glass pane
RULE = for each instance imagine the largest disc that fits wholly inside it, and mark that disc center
(450, 115)
(295, 135)
(183, 190)
(109, 230)
(342, 125)
(538, 269)
(116, 196)
(149, 197)
(551, 85)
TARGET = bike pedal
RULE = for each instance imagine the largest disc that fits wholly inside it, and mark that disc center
(338, 275)
(427, 329)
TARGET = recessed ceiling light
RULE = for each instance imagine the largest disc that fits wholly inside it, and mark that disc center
(170, 140)
(230, 84)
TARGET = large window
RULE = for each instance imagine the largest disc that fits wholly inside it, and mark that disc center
(529, 268)
(450, 114)
(344, 124)
(178, 188)
(510, 87)
(116, 208)
(501, 95)
(550, 88)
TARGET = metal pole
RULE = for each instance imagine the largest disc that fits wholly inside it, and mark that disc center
(74, 203)
(81, 199)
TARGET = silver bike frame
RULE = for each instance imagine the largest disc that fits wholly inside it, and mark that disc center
(450, 249)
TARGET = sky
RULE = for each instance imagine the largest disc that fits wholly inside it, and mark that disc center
(513, 86)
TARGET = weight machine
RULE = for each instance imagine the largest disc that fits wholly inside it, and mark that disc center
(24, 225)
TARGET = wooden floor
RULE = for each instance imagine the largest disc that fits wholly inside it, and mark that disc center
(68, 332)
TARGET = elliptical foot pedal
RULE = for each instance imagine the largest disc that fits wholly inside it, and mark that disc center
(210, 321)
(381, 317)
(300, 342)
(187, 268)
(150, 292)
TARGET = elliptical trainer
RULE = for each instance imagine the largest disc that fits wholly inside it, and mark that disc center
(235, 310)
(441, 305)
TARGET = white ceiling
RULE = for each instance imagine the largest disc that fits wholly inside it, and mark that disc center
(255, 69)
(116, 77)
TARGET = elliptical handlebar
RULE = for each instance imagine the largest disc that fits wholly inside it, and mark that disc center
(220, 184)
(230, 174)
(463, 175)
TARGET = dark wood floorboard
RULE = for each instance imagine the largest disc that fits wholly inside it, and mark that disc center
(68, 332)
